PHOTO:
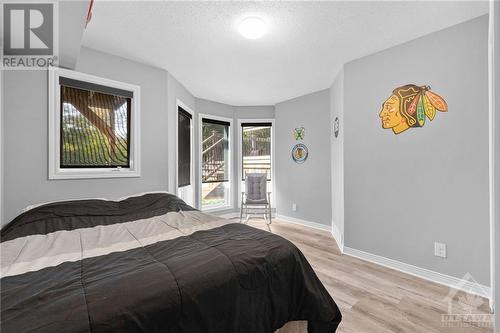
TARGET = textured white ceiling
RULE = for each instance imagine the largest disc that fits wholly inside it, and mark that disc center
(198, 42)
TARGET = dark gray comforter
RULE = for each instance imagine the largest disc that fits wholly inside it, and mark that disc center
(222, 278)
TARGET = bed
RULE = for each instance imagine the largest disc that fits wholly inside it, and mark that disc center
(153, 264)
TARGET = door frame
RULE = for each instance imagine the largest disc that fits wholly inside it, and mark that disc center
(180, 103)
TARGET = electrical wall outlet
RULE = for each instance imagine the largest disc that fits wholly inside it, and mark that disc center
(440, 250)
(294, 207)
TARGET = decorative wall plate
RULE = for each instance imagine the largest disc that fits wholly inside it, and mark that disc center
(336, 126)
(299, 133)
(300, 153)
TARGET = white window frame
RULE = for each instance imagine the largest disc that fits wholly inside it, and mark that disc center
(230, 204)
(179, 103)
(241, 186)
(55, 171)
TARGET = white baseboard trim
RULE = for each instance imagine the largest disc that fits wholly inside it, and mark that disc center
(310, 224)
(426, 274)
(337, 235)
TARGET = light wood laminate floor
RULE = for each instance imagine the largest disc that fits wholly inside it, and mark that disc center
(373, 298)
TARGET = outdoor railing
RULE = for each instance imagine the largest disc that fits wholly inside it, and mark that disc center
(213, 158)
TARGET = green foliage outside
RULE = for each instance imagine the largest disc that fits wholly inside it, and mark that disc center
(85, 145)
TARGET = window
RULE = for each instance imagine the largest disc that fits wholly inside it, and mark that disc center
(93, 127)
(184, 147)
(255, 153)
(256, 148)
(215, 163)
(184, 154)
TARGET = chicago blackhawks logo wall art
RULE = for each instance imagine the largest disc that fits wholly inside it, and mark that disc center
(409, 106)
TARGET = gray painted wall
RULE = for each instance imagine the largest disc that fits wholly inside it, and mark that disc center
(404, 192)
(214, 108)
(308, 184)
(254, 112)
(495, 31)
(71, 28)
(25, 127)
(1, 148)
(27, 183)
(72, 16)
(337, 161)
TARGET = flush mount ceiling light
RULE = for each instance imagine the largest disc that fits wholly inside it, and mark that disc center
(252, 27)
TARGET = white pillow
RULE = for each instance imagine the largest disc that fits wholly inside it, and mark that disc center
(141, 194)
(30, 207)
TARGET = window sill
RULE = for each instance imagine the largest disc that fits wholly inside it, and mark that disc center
(217, 209)
(93, 173)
